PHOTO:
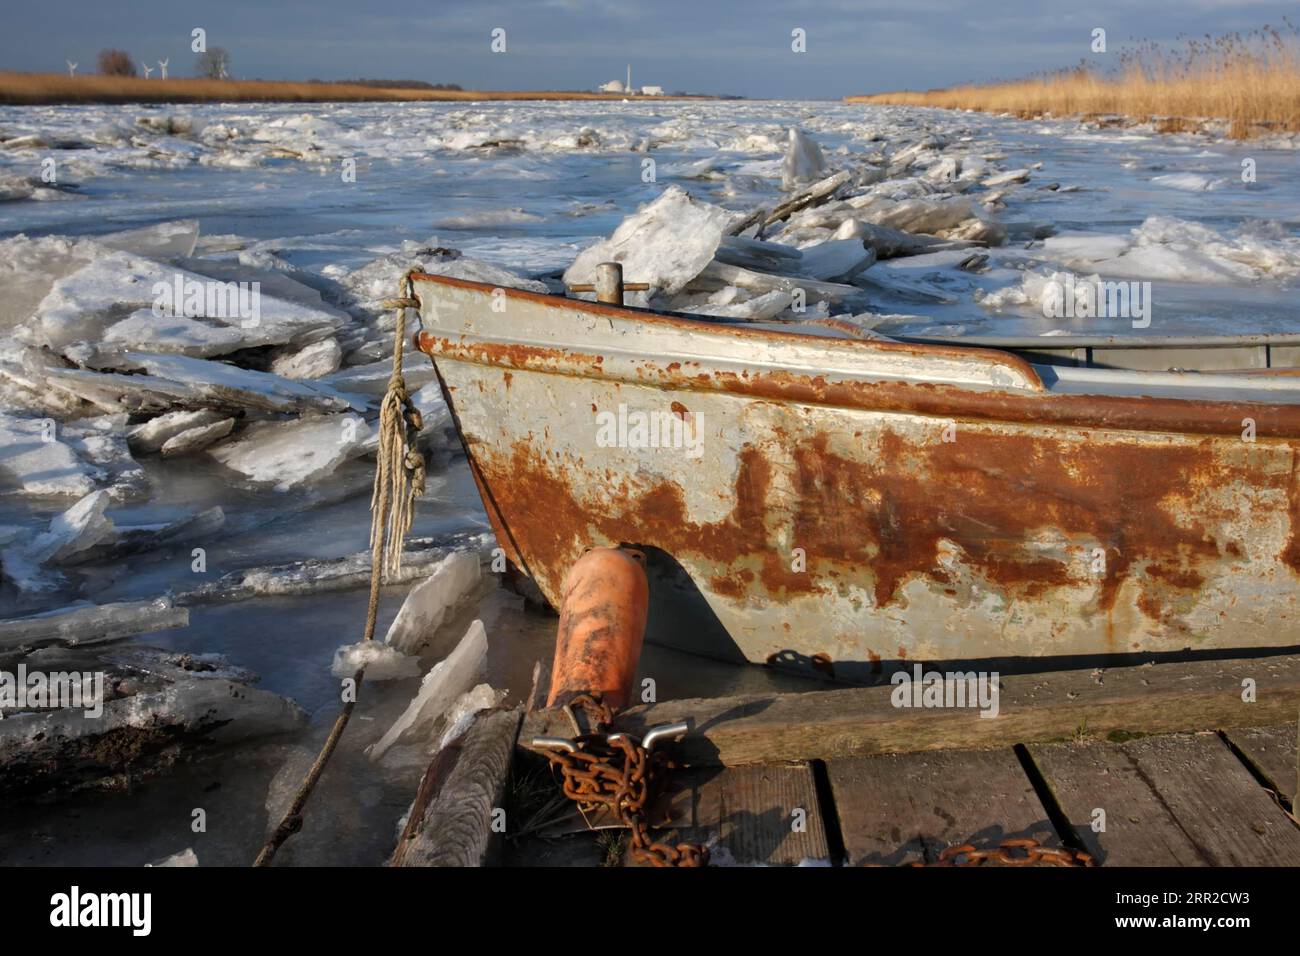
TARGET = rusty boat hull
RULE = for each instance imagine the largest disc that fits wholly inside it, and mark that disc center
(842, 503)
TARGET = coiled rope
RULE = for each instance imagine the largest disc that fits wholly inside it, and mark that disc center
(399, 480)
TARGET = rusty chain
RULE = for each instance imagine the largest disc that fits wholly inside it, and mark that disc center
(616, 772)
(1021, 851)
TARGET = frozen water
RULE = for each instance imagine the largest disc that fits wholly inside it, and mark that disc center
(515, 192)
(913, 215)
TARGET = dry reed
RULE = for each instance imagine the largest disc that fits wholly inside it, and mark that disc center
(1250, 81)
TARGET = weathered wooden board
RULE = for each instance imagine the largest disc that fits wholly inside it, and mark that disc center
(905, 808)
(1178, 800)
(1271, 751)
(450, 821)
(1156, 698)
(753, 815)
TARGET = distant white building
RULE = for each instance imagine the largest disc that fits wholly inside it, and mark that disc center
(617, 86)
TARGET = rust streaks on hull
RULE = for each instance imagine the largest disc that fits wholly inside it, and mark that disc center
(994, 503)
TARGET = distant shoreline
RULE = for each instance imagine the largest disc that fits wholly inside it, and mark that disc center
(55, 89)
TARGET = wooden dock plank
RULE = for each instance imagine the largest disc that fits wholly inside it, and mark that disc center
(1157, 698)
(906, 808)
(756, 814)
(1272, 753)
(1172, 800)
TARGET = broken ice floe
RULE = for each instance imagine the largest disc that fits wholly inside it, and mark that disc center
(150, 436)
(803, 160)
(75, 531)
(147, 724)
(819, 242)
(379, 661)
(439, 690)
(33, 461)
(167, 309)
(41, 457)
(460, 715)
(85, 533)
(378, 280)
(217, 384)
(91, 623)
(288, 454)
(666, 244)
(185, 857)
(427, 604)
(317, 575)
(314, 360)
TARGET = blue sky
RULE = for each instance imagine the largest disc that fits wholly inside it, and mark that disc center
(717, 47)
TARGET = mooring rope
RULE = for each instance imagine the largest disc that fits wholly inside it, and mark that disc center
(399, 480)
(399, 472)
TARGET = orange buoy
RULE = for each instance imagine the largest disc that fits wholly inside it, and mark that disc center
(602, 626)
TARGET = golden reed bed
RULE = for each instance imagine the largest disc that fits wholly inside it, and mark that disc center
(1252, 82)
(54, 88)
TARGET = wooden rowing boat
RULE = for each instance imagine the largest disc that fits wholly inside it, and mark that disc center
(846, 504)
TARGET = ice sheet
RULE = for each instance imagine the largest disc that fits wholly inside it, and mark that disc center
(508, 194)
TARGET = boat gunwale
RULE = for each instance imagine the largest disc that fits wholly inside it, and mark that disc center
(1020, 366)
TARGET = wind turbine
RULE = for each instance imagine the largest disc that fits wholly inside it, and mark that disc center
(147, 70)
(72, 68)
(162, 65)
